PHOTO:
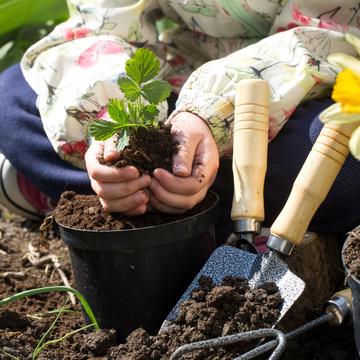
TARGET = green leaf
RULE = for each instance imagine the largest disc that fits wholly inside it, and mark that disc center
(143, 66)
(123, 140)
(156, 91)
(103, 130)
(149, 112)
(24, 22)
(134, 110)
(117, 111)
(15, 14)
(130, 89)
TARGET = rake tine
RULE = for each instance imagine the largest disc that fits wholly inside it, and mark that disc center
(262, 349)
(232, 339)
(279, 345)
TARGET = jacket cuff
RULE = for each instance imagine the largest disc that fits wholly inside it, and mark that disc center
(216, 111)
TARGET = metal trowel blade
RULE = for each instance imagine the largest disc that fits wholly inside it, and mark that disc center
(257, 269)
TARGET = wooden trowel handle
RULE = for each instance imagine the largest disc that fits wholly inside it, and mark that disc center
(250, 142)
(313, 182)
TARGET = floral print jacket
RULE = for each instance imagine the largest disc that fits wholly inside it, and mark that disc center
(208, 47)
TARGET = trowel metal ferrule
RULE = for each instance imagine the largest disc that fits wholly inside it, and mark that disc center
(246, 230)
(246, 226)
(280, 245)
(341, 307)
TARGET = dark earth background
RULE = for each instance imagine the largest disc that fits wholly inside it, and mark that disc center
(23, 323)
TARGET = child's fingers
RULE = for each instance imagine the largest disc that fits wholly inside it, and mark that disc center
(126, 204)
(175, 200)
(137, 211)
(182, 161)
(113, 191)
(158, 205)
(178, 185)
(105, 173)
(110, 152)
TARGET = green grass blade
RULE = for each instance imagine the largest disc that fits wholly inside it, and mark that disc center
(48, 289)
(63, 337)
(41, 315)
(9, 355)
(38, 348)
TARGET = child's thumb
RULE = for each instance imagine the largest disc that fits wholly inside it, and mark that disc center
(183, 160)
(110, 152)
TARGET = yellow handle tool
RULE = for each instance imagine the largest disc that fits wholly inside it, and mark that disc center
(311, 186)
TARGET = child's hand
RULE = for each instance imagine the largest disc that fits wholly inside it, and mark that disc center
(194, 167)
(119, 189)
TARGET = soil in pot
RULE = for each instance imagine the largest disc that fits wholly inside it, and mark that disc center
(212, 311)
(351, 253)
(149, 148)
(85, 212)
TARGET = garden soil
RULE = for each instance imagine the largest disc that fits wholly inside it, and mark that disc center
(149, 148)
(351, 253)
(211, 311)
(23, 323)
(86, 213)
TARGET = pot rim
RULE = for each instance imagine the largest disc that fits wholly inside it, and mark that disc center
(216, 202)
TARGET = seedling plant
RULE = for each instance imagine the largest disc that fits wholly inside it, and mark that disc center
(139, 108)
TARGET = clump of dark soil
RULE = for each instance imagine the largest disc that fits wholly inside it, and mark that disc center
(86, 213)
(149, 148)
(351, 253)
(212, 311)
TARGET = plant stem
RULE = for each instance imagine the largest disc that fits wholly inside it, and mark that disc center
(140, 106)
(42, 290)
(41, 315)
(39, 344)
(9, 355)
(64, 337)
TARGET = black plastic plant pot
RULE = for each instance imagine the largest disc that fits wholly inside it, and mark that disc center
(354, 285)
(132, 278)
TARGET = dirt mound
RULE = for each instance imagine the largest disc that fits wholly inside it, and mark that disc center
(212, 311)
(351, 253)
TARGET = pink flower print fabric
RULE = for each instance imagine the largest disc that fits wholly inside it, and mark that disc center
(91, 55)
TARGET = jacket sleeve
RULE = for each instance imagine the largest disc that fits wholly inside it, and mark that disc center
(293, 62)
(74, 69)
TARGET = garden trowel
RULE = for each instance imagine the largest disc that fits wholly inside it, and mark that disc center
(311, 186)
(308, 192)
(250, 139)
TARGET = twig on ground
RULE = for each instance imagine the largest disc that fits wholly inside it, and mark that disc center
(34, 257)
(12, 274)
